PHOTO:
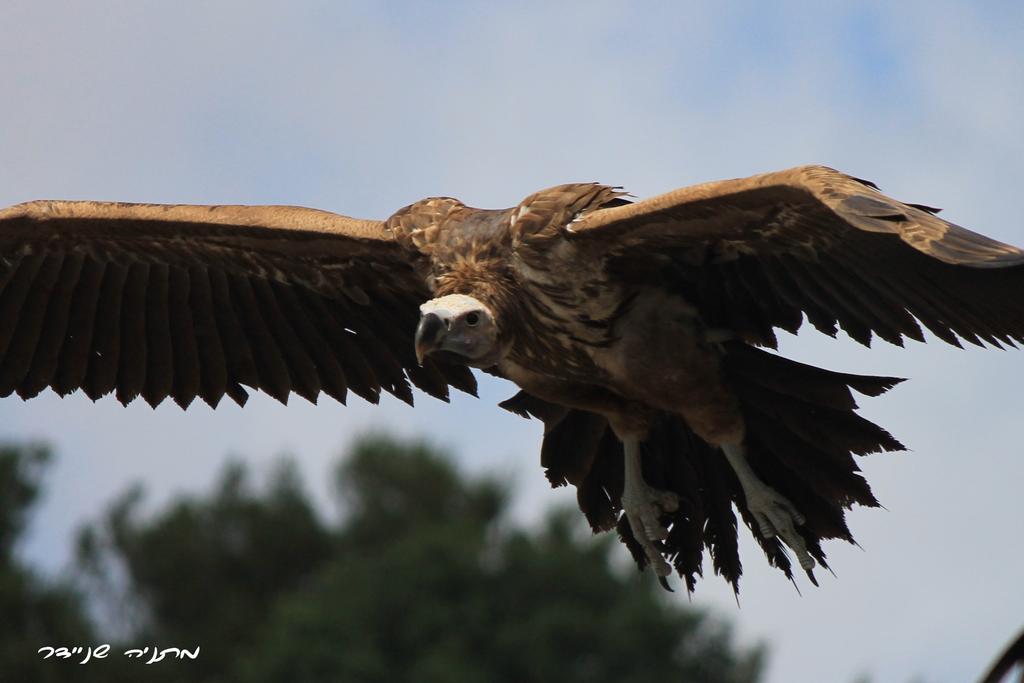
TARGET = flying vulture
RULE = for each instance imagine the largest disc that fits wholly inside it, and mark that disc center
(639, 333)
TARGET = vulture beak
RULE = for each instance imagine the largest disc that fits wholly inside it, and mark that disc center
(430, 334)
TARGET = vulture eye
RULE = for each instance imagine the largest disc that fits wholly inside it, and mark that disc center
(472, 319)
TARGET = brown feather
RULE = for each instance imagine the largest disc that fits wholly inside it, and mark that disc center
(238, 351)
(52, 335)
(950, 312)
(186, 365)
(270, 365)
(301, 369)
(360, 376)
(458, 376)
(387, 370)
(597, 496)
(104, 361)
(778, 311)
(328, 370)
(873, 292)
(787, 376)
(213, 368)
(974, 301)
(159, 354)
(837, 483)
(848, 290)
(785, 285)
(570, 447)
(8, 267)
(18, 357)
(131, 372)
(810, 279)
(720, 530)
(527, 405)
(16, 290)
(74, 355)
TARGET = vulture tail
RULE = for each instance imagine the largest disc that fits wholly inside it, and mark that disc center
(802, 433)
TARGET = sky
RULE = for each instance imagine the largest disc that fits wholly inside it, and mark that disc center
(364, 107)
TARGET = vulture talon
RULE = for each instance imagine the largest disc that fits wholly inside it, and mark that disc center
(644, 506)
(776, 516)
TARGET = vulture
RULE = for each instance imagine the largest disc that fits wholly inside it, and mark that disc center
(640, 333)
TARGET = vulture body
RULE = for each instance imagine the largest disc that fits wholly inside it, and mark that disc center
(635, 331)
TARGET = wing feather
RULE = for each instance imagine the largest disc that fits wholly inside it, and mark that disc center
(187, 382)
(18, 285)
(238, 352)
(772, 303)
(270, 360)
(104, 361)
(828, 245)
(810, 282)
(363, 381)
(748, 310)
(47, 352)
(853, 294)
(74, 355)
(886, 301)
(159, 355)
(330, 374)
(131, 371)
(304, 377)
(213, 367)
(385, 366)
(184, 301)
(31, 317)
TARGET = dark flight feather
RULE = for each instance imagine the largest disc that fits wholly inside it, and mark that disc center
(159, 355)
(131, 371)
(101, 377)
(73, 361)
(270, 360)
(17, 290)
(45, 357)
(300, 368)
(186, 381)
(238, 353)
(213, 369)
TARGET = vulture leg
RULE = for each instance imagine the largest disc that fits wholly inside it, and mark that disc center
(775, 515)
(644, 506)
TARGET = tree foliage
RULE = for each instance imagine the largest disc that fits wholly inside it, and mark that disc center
(424, 578)
(33, 611)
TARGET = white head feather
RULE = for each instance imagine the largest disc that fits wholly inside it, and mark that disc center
(454, 304)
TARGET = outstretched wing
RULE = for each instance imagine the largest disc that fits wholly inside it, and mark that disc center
(185, 301)
(761, 252)
(1011, 658)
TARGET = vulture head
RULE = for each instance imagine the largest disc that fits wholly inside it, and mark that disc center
(461, 325)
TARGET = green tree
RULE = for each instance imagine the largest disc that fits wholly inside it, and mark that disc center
(432, 583)
(423, 578)
(202, 572)
(34, 611)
